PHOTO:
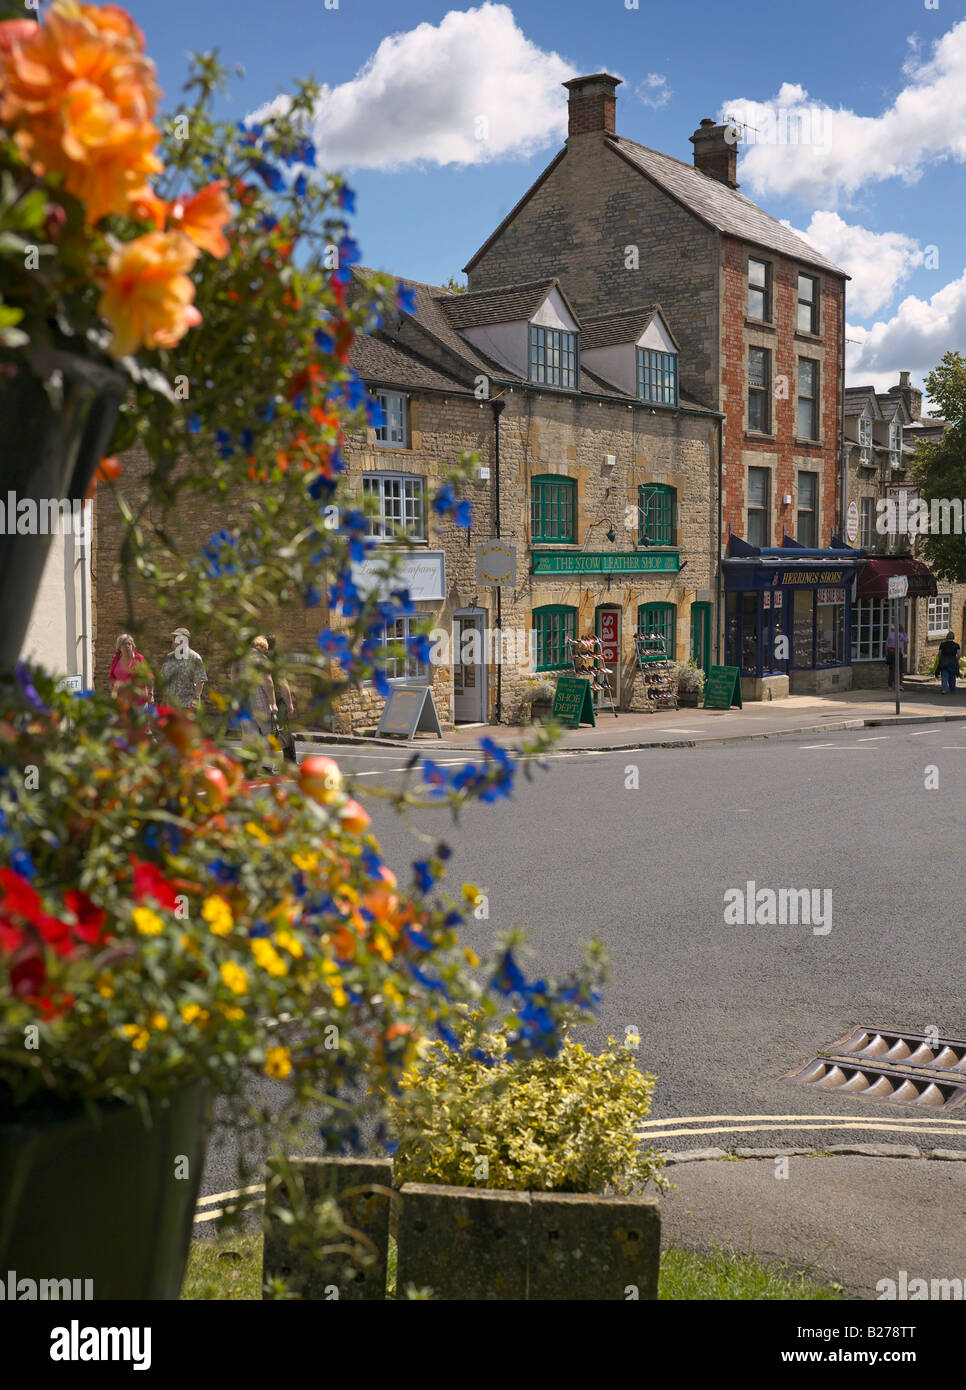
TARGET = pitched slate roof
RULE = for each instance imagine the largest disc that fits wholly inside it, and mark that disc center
(614, 330)
(388, 363)
(503, 304)
(858, 397)
(721, 206)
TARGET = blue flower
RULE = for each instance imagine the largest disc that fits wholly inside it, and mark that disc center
(347, 199)
(223, 440)
(301, 186)
(464, 515)
(194, 423)
(349, 253)
(445, 500)
(22, 673)
(321, 486)
(419, 939)
(260, 929)
(247, 440)
(447, 1034)
(417, 645)
(269, 175)
(381, 682)
(224, 872)
(375, 415)
(323, 341)
(509, 979)
(405, 298)
(333, 643)
(424, 875)
(267, 223)
(22, 864)
(437, 986)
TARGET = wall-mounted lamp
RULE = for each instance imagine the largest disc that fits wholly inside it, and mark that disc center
(611, 534)
(610, 460)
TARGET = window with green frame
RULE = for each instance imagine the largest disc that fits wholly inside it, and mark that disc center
(658, 619)
(553, 508)
(553, 624)
(657, 504)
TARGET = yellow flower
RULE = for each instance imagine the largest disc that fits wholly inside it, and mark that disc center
(147, 922)
(471, 894)
(267, 956)
(105, 984)
(158, 1022)
(232, 1012)
(190, 946)
(471, 956)
(381, 946)
(391, 992)
(234, 977)
(278, 1062)
(305, 861)
(217, 913)
(139, 1036)
(194, 1013)
(257, 832)
(339, 997)
(289, 943)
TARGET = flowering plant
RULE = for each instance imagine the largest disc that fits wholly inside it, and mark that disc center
(85, 242)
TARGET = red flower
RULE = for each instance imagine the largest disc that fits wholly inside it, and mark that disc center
(19, 900)
(90, 917)
(27, 971)
(54, 932)
(11, 937)
(149, 881)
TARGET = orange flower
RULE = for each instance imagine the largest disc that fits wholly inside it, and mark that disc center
(148, 207)
(148, 297)
(79, 95)
(203, 216)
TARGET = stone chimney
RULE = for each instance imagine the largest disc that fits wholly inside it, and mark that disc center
(911, 396)
(593, 103)
(716, 151)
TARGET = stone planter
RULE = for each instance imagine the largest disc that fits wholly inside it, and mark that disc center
(484, 1245)
(690, 698)
(50, 445)
(105, 1198)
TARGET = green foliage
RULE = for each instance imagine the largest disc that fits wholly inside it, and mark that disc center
(737, 1276)
(939, 467)
(548, 1124)
(689, 676)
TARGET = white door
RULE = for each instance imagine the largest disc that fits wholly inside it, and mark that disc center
(469, 670)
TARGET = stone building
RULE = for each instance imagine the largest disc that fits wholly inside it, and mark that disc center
(757, 315)
(591, 462)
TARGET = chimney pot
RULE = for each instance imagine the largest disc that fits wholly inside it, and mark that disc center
(716, 151)
(593, 104)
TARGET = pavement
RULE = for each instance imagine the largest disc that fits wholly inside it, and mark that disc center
(922, 700)
(853, 1218)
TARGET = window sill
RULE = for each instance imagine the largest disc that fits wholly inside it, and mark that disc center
(400, 543)
(760, 436)
(555, 545)
(799, 442)
(391, 448)
(762, 325)
(804, 337)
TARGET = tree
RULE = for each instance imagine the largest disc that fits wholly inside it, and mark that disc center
(939, 467)
(454, 286)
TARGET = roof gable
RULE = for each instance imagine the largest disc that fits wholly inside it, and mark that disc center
(618, 330)
(502, 304)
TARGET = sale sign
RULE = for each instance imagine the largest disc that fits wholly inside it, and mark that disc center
(610, 635)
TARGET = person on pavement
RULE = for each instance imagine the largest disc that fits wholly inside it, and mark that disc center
(183, 674)
(949, 662)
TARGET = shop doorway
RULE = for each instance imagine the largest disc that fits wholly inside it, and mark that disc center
(701, 635)
(609, 632)
(469, 667)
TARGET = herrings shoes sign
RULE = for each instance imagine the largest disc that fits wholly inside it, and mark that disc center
(604, 562)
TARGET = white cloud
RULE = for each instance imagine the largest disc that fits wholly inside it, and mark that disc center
(467, 90)
(913, 339)
(877, 261)
(820, 153)
(653, 91)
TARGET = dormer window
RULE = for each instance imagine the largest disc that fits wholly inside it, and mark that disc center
(865, 440)
(553, 357)
(657, 377)
(895, 445)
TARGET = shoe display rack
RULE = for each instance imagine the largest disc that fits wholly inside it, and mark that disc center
(660, 685)
(586, 654)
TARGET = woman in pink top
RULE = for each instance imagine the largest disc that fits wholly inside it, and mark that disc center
(128, 668)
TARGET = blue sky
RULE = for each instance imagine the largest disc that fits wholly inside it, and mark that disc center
(880, 83)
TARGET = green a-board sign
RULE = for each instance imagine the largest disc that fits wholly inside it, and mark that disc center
(722, 689)
(573, 703)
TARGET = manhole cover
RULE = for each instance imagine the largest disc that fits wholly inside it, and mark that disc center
(885, 1064)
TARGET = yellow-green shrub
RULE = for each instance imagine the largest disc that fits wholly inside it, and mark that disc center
(561, 1124)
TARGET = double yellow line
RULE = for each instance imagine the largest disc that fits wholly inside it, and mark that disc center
(691, 1126)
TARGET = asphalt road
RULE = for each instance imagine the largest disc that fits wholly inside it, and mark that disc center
(724, 1009)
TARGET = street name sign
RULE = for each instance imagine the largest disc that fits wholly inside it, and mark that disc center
(898, 585)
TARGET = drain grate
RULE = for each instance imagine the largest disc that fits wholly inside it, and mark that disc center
(888, 1065)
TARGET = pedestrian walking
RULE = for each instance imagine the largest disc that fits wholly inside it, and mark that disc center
(183, 674)
(255, 689)
(284, 698)
(891, 656)
(949, 662)
(129, 671)
(903, 645)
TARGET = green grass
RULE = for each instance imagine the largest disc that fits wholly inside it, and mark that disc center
(735, 1276)
(231, 1268)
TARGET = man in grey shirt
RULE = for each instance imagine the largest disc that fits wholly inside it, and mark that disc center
(183, 673)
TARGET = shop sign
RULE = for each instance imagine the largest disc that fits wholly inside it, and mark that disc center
(604, 562)
(723, 688)
(496, 563)
(809, 577)
(771, 600)
(410, 709)
(852, 524)
(829, 595)
(573, 703)
(422, 572)
(610, 635)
